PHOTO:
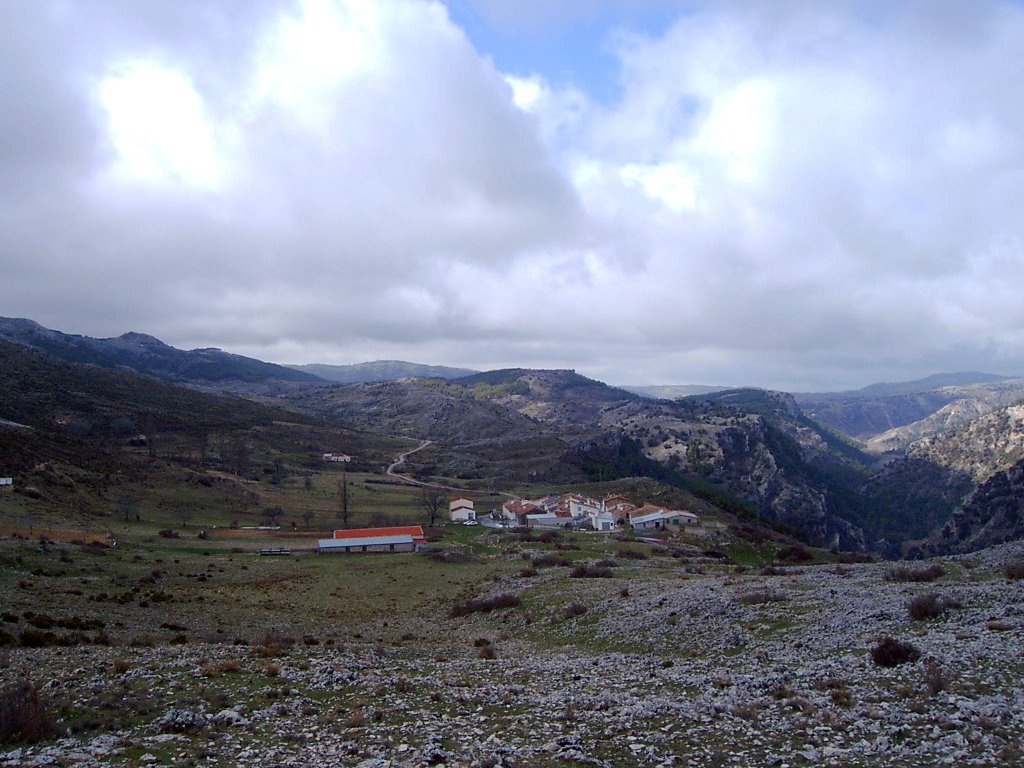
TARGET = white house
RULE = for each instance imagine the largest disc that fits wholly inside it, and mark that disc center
(461, 509)
(653, 521)
(602, 520)
(337, 457)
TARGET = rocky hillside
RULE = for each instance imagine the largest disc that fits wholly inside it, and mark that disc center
(968, 404)
(380, 370)
(993, 514)
(145, 354)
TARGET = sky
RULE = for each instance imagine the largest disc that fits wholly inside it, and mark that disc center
(794, 194)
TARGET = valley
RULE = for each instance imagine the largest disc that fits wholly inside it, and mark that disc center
(142, 626)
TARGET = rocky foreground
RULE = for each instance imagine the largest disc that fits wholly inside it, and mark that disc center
(722, 668)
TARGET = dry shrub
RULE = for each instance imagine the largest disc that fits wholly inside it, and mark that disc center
(487, 652)
(927, 606)
(761, 597)
(590, 572)
(551, 560)
(269, 669)
(891, 653)
(485, 605)
(23, 715)
(903, 573)
(841, 697)
(935, 680)
(794, 553)
(631, 554)
(572, 610)
(1014, 571)
(355, 719)
(120, 666)
(606, 563)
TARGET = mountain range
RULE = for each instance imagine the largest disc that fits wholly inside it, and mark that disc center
(920, 467)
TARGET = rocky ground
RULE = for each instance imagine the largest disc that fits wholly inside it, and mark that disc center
(725, 667)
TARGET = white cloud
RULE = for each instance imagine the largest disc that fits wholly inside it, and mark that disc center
(787, 194)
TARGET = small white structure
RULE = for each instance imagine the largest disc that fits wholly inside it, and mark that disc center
(337, 457)
(6, 483)
(461, 509)
(653, 521)
(548, 520)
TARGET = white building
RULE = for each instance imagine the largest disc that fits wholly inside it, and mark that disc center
(461, 509)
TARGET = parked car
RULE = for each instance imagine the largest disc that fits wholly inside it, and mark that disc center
(471, 522)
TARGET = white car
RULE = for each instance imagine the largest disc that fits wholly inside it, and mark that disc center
(471, 522)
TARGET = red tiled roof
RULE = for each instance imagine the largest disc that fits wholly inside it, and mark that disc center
(416, 531)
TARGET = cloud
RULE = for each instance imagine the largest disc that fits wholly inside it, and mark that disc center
(796, 194)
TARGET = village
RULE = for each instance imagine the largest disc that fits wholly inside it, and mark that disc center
(572, 511)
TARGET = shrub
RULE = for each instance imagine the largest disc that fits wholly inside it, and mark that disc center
(891, 653)
(795, 553)
(590, 572)
(573, 610)
(1014, 571)
(606, 563)
(761, 597)
(23, 715)
(550, 560)
(935, 679)
(487, 652)
(904, 573)
(485, 605)
(631, 554)
(930, 606)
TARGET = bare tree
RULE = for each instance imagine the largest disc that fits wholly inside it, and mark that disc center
(183, 511)
(308, 516)
(432, 500)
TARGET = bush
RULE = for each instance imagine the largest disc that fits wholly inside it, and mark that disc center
(23, 715)
(929, 606)
(1014, 571)
(891, 653)
(904, 573)
(794, 553)
(485, 605)
(590, 572)
(759, 598)
(573, 610)
(550, 560)
(935, 680)
(606, 563)
(631, 554)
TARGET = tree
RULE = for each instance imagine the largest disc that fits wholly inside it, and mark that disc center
(272, 514)
(129, 509)
(183, 512)
(432, 500)
(343, 508)
(307, 517)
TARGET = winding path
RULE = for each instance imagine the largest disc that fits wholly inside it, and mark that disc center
(400, 459)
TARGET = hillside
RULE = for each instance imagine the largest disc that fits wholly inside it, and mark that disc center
(92, 437)
(145, 354)
(968, 403)
(380, 370)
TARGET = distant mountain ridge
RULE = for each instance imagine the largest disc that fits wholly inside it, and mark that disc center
(671, 391)
(381, 370)
(149, 355)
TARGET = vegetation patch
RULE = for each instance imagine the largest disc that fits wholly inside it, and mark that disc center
(23, 714)
(485, 605)
(905, 573)
(890, 652)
